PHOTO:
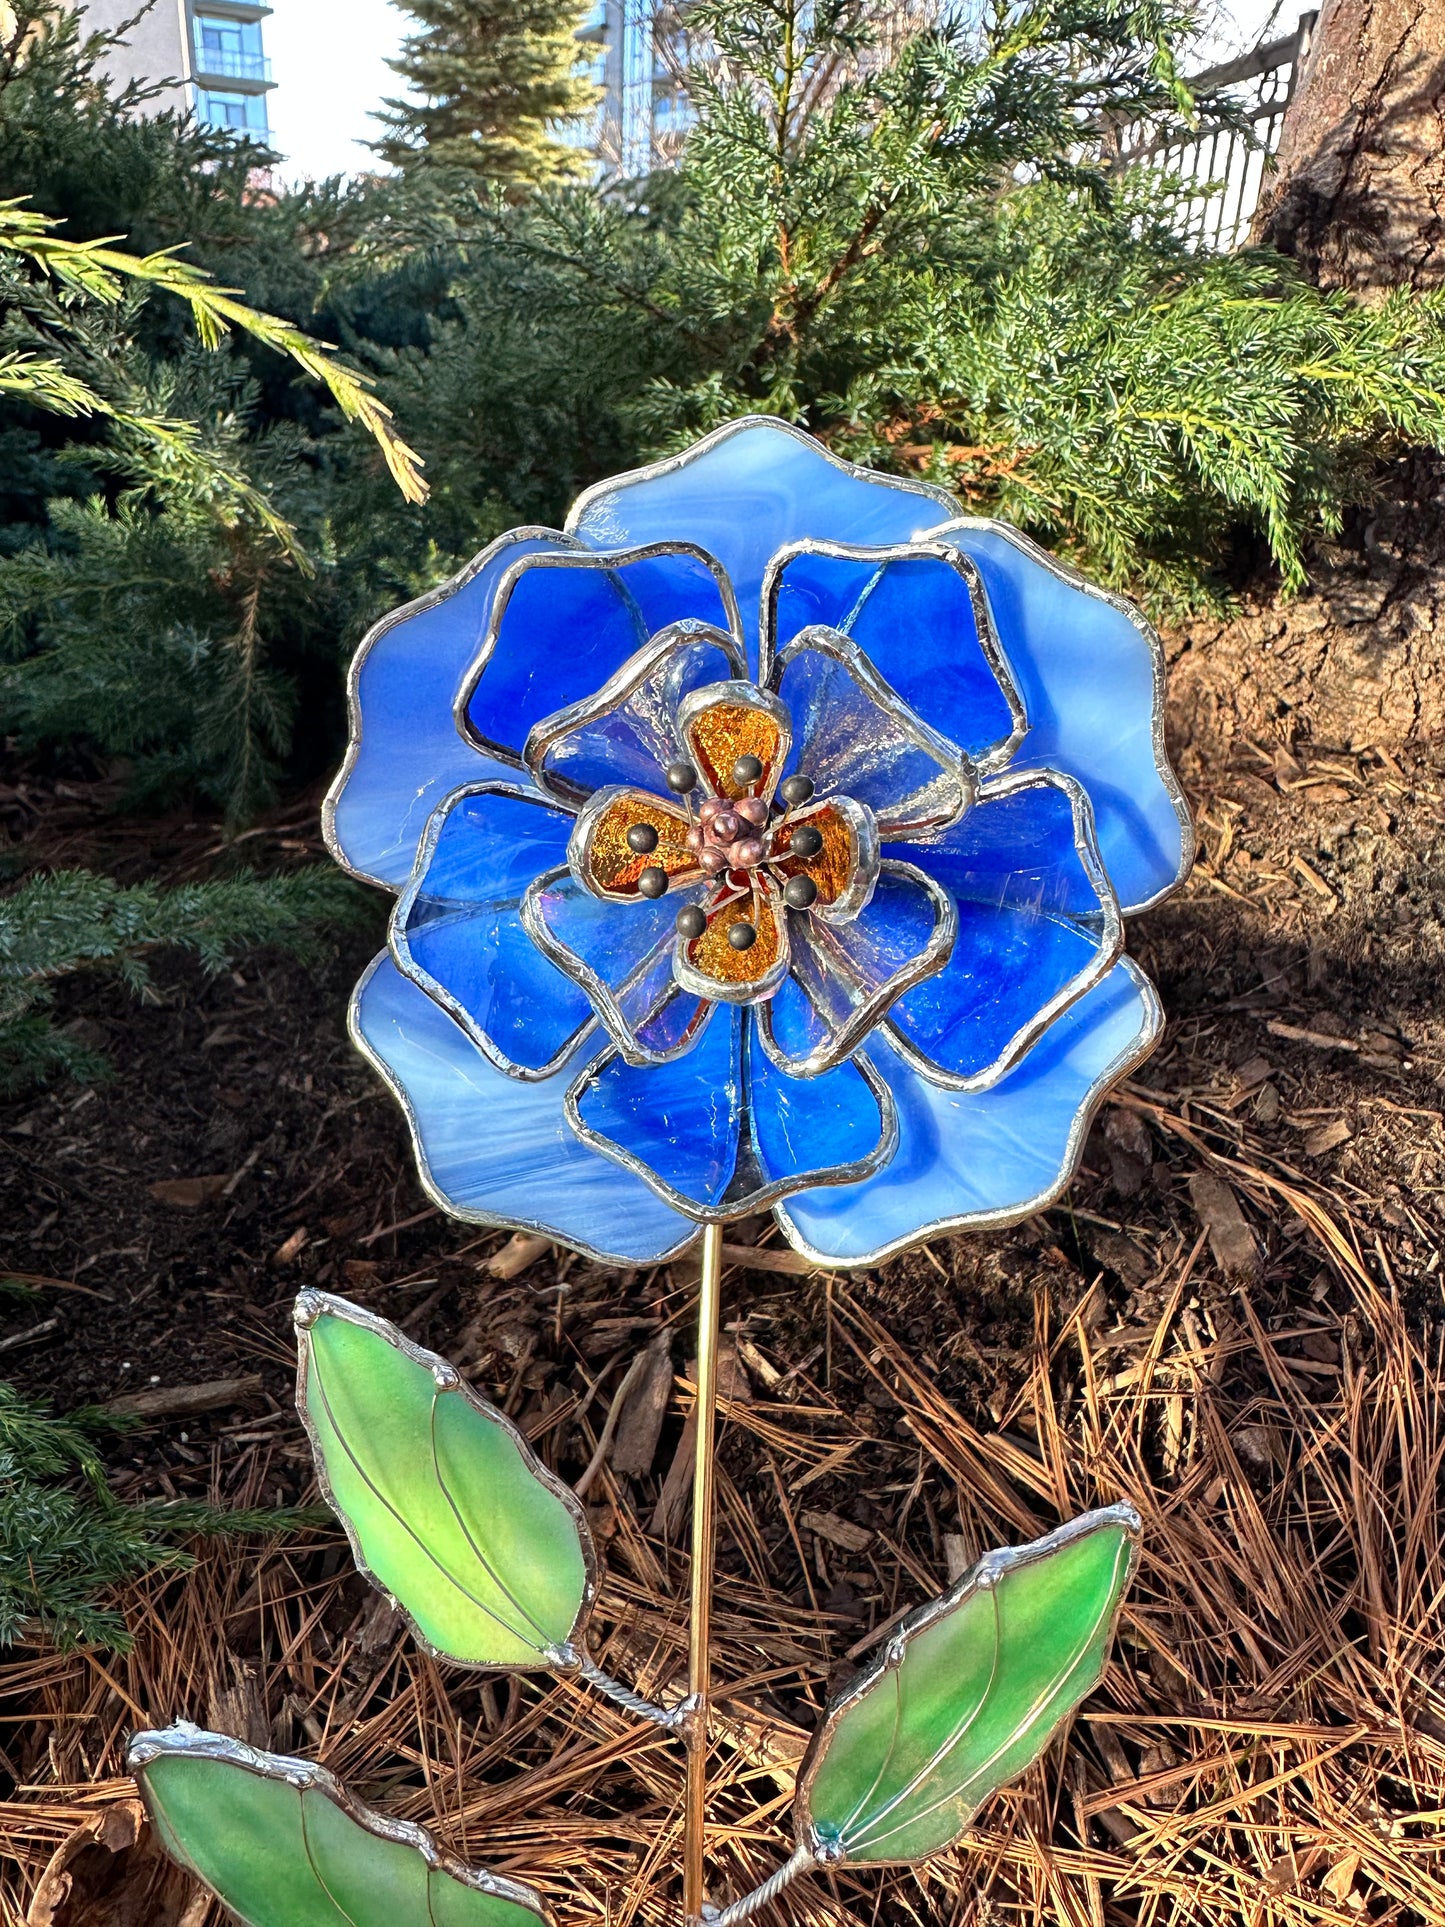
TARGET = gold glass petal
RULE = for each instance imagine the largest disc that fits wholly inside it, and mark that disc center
(713, 957)
(727, 720)
(836, 864)
(600, 855)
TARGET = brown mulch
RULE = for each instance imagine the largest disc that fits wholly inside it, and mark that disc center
(1232, 1320)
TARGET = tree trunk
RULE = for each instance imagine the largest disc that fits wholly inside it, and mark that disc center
(1358, 197)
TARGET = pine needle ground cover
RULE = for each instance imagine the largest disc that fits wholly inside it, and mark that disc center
(1234, 1321)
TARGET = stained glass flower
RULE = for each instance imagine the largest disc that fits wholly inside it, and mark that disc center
(763, 838)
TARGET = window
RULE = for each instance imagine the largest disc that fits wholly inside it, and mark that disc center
(230, 47)
(236, 113)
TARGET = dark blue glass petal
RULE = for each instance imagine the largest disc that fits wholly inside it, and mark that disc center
(743, 493)
(850, 745)
(635, 742)
(1093, 690)
(802, 1125)
(975, 1158)
(679, 1121)
(914, 620)
(407, 753)
(1033, 926)
(458, 930)
(497, 1150)
(566, 627)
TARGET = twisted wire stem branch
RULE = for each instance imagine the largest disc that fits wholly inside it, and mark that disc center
(745, 1908)
(646, 1709)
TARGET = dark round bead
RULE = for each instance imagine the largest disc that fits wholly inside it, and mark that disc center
(652, 882)
(796, 790)
(747, 769)
(681, 777)
(742, 936)
(642, 838)
(725, 826)
(691, 922)
(800, 893)
(805, 840)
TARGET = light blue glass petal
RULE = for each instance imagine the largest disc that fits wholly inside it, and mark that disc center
(564, 625)
(1092, 679)
(678, 1121)
(458, 927)
(406, 751)
(967, 1159)
(743, 492)
(498, 1151)
(635, 741)
(621, 953)
(851, 743)
(1037, 925)
(801, 1125)
(913, 617)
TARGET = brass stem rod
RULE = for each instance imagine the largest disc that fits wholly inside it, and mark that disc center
(699, 1679)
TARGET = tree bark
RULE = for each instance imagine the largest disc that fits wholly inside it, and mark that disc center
(1358, 195)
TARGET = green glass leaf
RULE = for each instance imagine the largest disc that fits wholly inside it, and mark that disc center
(965, 1695)
(285, 1845)
(447, 1508)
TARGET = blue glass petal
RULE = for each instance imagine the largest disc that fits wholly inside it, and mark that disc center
(620, 952)
(458, 929)
(1092, 682)
(802, 1125)
(976, 1158)
(499, 1151)
(634, 742)
(1035, 927)
(568, 624)
(678, 1121)
(913, 617)
(853, 972)
(746, 490)
(406, 752)
(850, 743)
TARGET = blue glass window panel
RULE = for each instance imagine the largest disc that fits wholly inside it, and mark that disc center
(748, 493)
(680, 1119)
(496, 1149)
(801, 1125)
(635, 743)
(973, 1157)
(410, 754)
(462, 931)
(1015, 846)
(1088, 680)
(849, 746)
(566, 629)
(914, 621)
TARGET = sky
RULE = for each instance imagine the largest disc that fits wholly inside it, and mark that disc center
(329, 59)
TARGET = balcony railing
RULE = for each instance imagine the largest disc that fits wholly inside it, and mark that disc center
(234, 66)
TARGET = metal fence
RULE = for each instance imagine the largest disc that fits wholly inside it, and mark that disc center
(1234, 160)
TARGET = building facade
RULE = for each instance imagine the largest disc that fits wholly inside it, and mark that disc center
(206, 57)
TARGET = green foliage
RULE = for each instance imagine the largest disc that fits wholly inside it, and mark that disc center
(64, 1539)
(54, 925)
(491, 81)
(915, 259)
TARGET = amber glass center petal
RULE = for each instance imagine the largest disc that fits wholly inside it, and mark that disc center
(602, 857)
